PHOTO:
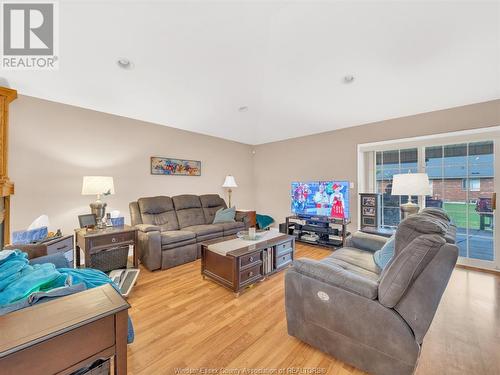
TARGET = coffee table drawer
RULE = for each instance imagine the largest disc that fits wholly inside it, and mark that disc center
(283, 260)
(283, 248)
(251, 273)
(247, 260)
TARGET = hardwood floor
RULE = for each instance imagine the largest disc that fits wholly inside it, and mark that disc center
(185, 322)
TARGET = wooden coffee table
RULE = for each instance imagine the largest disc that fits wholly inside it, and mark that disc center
(238, 264)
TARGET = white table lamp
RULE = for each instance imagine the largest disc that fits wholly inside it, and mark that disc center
(229, 183)
(98, 185)
(410, 184)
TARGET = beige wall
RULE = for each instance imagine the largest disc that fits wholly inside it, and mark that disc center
(333, 155)
(53, 145)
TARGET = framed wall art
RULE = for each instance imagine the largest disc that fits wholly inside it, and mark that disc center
(175, 167)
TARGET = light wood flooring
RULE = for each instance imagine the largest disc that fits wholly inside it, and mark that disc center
(185, 322)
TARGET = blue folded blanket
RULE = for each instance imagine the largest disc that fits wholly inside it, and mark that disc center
(23, 284)
(264, 221)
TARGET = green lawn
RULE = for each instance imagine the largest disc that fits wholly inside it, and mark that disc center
(457, 212)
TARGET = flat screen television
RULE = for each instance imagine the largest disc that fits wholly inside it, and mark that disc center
(327, 199)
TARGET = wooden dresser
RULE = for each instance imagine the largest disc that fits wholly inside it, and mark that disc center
(6, 185)
(66, 334)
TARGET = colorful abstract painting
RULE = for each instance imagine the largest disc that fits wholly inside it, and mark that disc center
(175, 167)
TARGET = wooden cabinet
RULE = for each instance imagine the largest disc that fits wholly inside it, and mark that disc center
(63, 245)
(6, 186)
(94, 241)
(65, 334)
(370, 206)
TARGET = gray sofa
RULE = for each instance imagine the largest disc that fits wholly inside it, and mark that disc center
(374, 319)
(171, 229)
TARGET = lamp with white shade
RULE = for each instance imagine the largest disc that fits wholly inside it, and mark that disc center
(99, 186)
(229, 183)
(410, 184)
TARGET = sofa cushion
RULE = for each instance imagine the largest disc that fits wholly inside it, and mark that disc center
(158, 211)
(155, 205)
(436, 212)
(204, 229)
(357, 261)
(211, 203)
(232, 227)
(417, 225)
(185, 201)
(188, 209)
(405, 267)
(206, 237)
(225, 215)
(359, 258)
(173, 236)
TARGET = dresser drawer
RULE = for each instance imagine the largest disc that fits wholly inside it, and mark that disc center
(62, 246)
(251, 274)
(64, 350)
(283, 248)
(112, 240)
(283, 260)
(247, 260)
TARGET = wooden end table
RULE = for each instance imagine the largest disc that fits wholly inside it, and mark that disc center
(92, 241)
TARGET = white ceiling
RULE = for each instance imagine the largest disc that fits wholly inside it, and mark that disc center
(196, 63)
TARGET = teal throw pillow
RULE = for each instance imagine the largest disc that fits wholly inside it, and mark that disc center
(383, 256)
(225, 215)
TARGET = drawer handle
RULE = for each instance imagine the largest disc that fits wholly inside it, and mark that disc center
(113, 240)
(250, 259)
(250, 273)
(61, 247)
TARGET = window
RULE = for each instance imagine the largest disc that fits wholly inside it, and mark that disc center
(474, 184)
(389, 163)
(462, 177)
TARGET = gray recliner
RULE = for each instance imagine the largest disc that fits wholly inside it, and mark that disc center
(374, 319)
(171, 230)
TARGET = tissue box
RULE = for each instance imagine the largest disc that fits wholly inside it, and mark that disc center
(23, 237)
(118, 221)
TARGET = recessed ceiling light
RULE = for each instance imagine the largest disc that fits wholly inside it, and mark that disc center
(243, 108)
(124, 63)
(348, 78)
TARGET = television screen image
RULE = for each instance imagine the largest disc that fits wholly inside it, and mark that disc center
(321, 198)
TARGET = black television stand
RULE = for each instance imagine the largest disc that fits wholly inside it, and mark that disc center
(327, 232)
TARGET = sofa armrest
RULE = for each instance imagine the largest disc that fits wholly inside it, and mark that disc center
(337, 276)
(149, 246)
(148, 228)
(366, 241)
(243, 216)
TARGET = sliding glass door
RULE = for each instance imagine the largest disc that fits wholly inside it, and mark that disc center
(463, 178)
(462, 173)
